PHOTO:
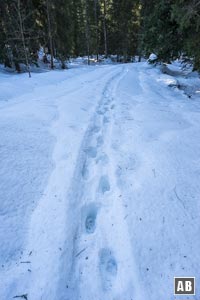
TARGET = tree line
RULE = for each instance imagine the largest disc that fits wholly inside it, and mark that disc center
(170, 28)
(71, 28)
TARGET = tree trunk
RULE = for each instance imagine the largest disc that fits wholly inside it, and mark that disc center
(22, 36)
(97, 29)
(87, 33)
(105, 29)
(50, 33)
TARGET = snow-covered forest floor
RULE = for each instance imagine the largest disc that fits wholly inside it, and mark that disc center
(99, 184)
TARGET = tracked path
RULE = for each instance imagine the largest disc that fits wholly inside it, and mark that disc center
(68, 237)
(100, 265)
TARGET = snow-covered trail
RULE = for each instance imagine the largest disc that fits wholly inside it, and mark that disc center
(115, 210)
(35, 202)
(156, 142)
(101, 266)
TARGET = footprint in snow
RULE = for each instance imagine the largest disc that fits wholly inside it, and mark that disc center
(106, 120)
(100, 141)
(102, 110)
(108, 268)
(89, 214)
(90, 223)
(104, 185)
(103, 159)
(91, 152)
(84, 171)
(95, 129)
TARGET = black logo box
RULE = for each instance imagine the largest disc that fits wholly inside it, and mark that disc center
(182, 282)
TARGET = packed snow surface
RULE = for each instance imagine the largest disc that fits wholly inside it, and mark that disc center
(99, 185)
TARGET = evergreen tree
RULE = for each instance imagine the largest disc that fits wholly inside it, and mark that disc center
(187, 15)
(91, 27)
(160, 32)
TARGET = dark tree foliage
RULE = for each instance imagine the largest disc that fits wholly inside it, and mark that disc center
(187, 15)
(170, 28)
(160, 31)
(124, 23)
(20, 33)
(71, 28)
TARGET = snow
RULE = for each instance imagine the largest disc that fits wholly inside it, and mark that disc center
(152, 57)
(99, 184)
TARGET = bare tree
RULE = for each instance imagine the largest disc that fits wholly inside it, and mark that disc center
(21, 40)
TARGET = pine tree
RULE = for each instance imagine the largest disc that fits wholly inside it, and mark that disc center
(187, 15)
(64, 43)
(160, 31)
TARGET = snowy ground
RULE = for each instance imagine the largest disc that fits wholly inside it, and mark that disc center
(99, 185)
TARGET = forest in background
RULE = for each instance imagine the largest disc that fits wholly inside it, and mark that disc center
(72, 28)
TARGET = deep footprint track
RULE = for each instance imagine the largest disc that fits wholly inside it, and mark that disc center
(96, 263)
